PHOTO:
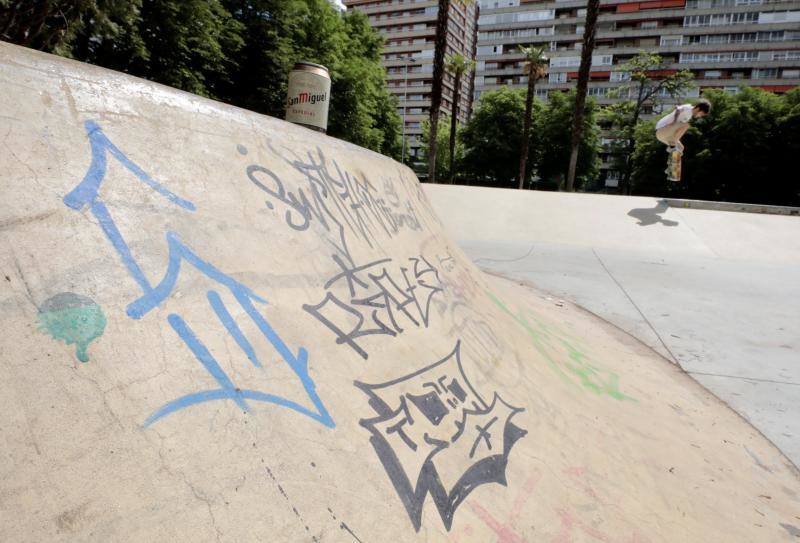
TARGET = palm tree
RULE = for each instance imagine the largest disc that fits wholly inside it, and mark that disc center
(535, 68)
(442, 20)
(458, 66)
(589, 31)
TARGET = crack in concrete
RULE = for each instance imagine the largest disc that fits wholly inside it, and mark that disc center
(199, 495)
(523, 257)
(11, 223)
(759, 380)
(82, 375)
(625, 292)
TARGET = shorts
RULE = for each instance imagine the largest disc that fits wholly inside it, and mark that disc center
(666, 134)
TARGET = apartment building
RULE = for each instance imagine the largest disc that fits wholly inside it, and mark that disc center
(725, 43)
(409, 27)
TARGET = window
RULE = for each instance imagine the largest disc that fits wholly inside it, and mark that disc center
(620, 76)
(780, 16)
(785, 55)
(721, 19)
(517, 17)
(490, 50)
(790, 74)
(735, 56)
(567, 62)
(765, 73)
(557, 77)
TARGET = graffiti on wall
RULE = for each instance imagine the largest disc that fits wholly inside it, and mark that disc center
(73, 319)
(338, 202)
(180, 257)
(376, 299)
(434, 434)
(576, 367)
(458, 308)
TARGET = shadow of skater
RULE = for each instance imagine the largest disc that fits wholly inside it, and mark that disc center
(650, 215)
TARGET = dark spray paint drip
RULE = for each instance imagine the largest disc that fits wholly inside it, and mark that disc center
(294, 509)
(344, 526)
(74, 319)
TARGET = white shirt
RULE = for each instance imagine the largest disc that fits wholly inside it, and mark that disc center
(684, 115)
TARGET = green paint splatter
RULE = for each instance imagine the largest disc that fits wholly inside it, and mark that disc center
(74, 319)
(578, 368)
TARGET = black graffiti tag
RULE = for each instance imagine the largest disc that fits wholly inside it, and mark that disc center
(338, 201)
(376, 300)
(434, 434)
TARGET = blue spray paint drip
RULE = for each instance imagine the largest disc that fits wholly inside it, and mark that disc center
(86, 194)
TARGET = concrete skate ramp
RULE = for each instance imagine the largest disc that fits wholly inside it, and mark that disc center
(711, 290)
(221, 327)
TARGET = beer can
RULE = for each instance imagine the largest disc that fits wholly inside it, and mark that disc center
(309, 96)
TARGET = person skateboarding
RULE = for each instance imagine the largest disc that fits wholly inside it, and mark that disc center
(671, 128)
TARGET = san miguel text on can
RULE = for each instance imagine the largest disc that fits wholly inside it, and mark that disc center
(309, 96)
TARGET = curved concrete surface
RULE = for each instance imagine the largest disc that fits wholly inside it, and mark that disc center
(714, 291)
(221, 327)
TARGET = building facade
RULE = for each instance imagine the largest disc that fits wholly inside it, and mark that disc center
(725, 43)
(409, 28)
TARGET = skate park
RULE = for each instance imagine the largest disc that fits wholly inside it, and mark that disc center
(221, 326)
(705, 287)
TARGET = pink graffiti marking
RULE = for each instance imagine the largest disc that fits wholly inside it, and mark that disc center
(504, 530)
(505, 534)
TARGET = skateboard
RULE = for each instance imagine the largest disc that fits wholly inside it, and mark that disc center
(673, 170)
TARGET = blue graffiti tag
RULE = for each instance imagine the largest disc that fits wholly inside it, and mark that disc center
(86, 194)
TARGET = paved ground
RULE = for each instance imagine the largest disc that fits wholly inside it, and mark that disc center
(717, 292)
(217, 326)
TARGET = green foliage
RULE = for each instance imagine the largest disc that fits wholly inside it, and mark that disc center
(458, 64)
(443, 151)
(744, 151)
(53, 26)
(492, 140)
(553, 129)
(647, 88)
(191, 44)
(362, 110)
(535, 60)
(238, 51)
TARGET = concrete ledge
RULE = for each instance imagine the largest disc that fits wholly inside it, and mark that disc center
(732, 206)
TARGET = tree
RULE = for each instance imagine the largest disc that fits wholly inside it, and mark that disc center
(492, 138)
(535, 68)
(282, 32)
(442, 21)
(52, 26)
(649, 83)
(191, 44)
(744, 151)
(458, 66)
(592, 10)
(187, 44)
(362, 111)
(238, 51)
(456, 159)
(271, 30)
(554, 142)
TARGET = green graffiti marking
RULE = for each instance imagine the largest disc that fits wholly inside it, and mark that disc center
(74, 319)
(577, 369)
